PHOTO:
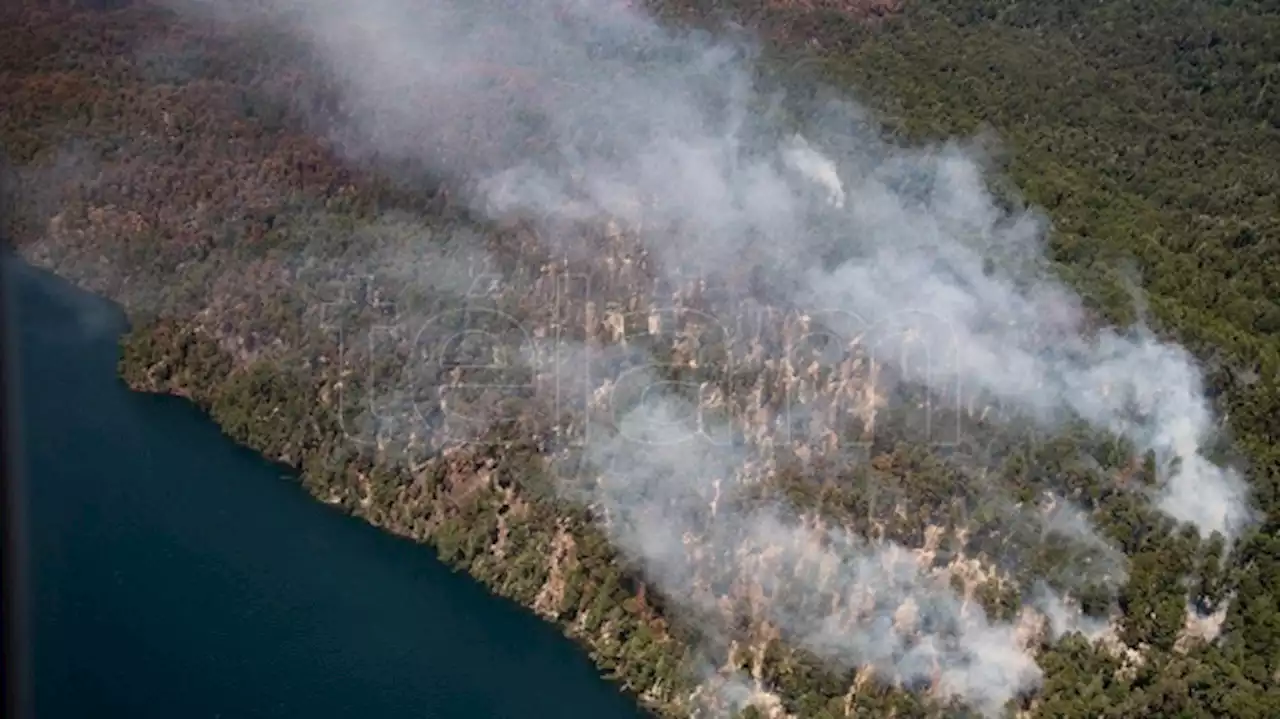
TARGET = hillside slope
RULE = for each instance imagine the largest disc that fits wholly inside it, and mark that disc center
(289, 284)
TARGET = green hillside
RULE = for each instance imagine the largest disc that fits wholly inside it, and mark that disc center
(180, 172)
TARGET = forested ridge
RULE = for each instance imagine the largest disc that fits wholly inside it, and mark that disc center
(182, 173)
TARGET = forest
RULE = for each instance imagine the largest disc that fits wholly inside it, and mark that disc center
(190, 175)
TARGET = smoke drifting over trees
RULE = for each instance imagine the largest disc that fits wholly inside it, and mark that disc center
(588, 110)
(663, 129)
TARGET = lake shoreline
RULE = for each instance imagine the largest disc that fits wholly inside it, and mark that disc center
(121, 515)
(145, 350)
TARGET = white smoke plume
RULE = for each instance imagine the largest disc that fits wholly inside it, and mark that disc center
(589, 108)
(668, 494)
(815, 167)
(604, 112)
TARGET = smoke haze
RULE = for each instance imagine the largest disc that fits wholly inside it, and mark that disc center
(619, 117)
(588, 109)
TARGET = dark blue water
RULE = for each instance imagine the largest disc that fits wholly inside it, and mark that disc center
(176, 575)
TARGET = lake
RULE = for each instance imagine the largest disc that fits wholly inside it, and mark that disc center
(175, 574)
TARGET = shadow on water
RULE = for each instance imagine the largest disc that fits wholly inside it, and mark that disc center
(174, 574)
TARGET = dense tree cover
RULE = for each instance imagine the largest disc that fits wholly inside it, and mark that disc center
(1149, 131)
